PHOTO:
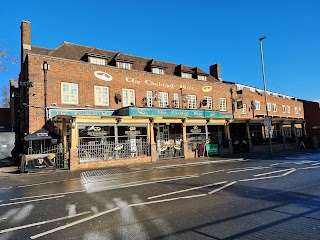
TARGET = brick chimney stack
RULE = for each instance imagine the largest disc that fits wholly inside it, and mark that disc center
(25, 44)
(215, 71)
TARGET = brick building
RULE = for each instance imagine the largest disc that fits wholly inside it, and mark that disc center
(112, 106)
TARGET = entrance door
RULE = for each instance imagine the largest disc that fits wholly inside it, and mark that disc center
(169, 141)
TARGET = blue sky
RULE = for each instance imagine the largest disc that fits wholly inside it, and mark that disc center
(194, 33)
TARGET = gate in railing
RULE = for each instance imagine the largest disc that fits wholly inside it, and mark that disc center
(107, 150)
(62, 155)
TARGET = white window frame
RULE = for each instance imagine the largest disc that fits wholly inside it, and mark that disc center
(223, 104)
(186, 75)
(163, 98)
(176, 100)
(299, 111)
(257, 105)
(202, 78)
(124, 65)
(244, 109)
(209, 103)
(67, 98)
(128, 97)
(274, 107)
(269, 107)
(288, 109)
(284, 108)
(295, 110)
(156, 70)
(98, 61)
(101, 96)
(149, 98)
(192, 101)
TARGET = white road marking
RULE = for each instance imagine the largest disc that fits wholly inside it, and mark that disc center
(247, 169)
(314, 164)
(38, 184)
(73, 223)
(223, 187)
(167, 200)
(153, 179)
(212, 172)
(201, 163)
(34, 200)
(308, 168)
(46, 195)
(254, 179)
(43, 222)
(187, 190)
(287, 173)
(268, 173)
(5, 188)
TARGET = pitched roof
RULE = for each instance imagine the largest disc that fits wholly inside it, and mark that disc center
(78, 52)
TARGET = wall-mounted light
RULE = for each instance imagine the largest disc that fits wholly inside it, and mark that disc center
(73, 123)
(87, 106)
(54, 104)
(118, 120)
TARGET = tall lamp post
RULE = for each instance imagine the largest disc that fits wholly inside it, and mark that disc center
(45, 67)
(265, 93)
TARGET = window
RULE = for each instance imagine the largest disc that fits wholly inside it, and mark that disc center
(299, 110)
(128, 97)
(176, 100)
(244, 109)
(163, 99)
(288, 109)
(274, 107)
(209, 103)
(157, 71)
(295, 110)
(69, 93)
(149, 99)
(124, 65)
(268, 107)
(98, 61)
(257, 104)
(186, 75)
(192, 103)
(223, 104)
(101, 96)
(284, 108)
(202, 78)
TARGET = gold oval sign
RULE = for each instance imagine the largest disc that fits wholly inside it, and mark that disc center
(207, 89)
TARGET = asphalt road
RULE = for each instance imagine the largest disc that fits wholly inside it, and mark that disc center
(239, 198)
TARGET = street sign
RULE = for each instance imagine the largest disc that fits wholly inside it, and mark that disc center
(267, 121)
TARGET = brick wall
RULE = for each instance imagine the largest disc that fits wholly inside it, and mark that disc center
(83, 75)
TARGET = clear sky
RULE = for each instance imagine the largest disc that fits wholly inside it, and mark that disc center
(189, 32)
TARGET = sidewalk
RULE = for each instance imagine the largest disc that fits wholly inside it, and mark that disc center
(14, 171)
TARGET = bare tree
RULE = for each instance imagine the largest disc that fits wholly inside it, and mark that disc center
(5, 100)
(5, 57)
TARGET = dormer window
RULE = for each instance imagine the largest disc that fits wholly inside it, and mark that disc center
(186, 75)
(202, 78)
(98, 61)
(156, 70)
(124, 65)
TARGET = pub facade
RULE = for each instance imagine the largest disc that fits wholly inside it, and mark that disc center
(111, 108)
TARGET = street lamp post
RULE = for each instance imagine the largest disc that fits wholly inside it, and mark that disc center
(265, 92)
(45, 67)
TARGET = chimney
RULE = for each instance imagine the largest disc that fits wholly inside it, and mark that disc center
(215, 71)
(25, 45)
(26, 35)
